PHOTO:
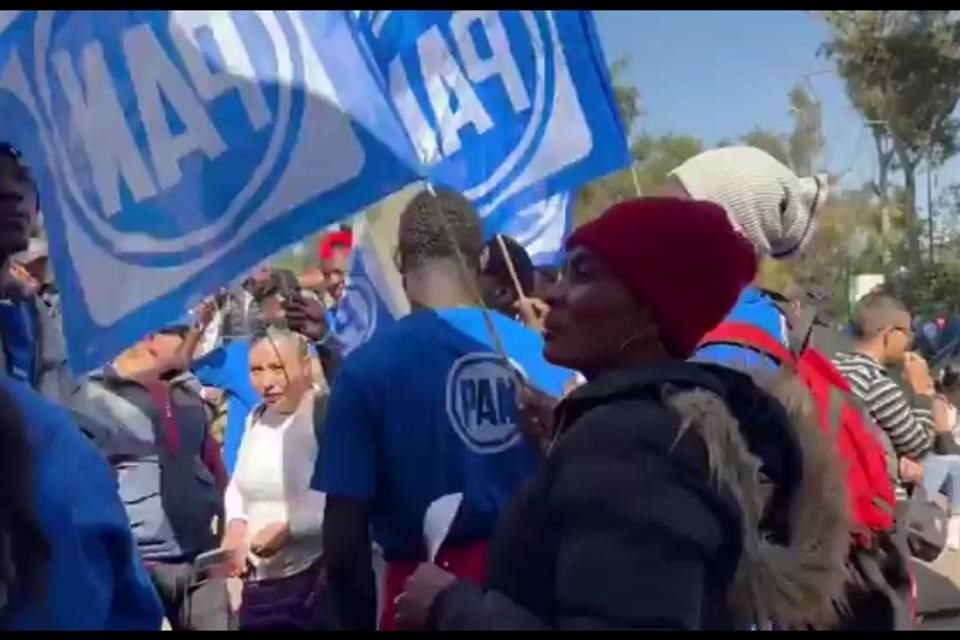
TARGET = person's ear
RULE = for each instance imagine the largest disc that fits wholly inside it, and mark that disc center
(149, 344)
(646, 332)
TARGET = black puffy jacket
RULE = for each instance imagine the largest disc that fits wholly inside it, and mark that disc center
(635, 520)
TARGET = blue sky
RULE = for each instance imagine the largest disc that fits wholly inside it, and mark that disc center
(717, 74)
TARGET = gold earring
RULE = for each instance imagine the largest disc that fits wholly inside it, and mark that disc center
(628, 341)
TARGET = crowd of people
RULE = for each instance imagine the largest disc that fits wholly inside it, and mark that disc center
(640, 438)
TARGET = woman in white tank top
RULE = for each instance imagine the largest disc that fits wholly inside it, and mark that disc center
(274, 519)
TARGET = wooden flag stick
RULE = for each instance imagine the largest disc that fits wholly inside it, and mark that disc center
(510, 267)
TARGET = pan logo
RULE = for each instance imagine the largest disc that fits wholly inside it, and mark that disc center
(355, 317)
(482, 402)
(480, 94)
(205, 110)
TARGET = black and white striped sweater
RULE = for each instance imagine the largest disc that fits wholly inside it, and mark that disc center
(907, 422)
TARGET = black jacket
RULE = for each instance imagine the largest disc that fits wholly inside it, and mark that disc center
(630, 524)
(167, 485)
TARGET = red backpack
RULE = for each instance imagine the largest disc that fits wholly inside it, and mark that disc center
(869, 486)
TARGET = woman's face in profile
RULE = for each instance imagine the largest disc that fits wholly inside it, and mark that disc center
(592, 314)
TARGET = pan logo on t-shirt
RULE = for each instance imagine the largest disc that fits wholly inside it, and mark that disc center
(482, 402)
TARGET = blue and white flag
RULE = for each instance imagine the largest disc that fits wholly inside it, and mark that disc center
(365, 306)
(374, 297)
(512, 108)
(542, 228)
(174, 150)
(9, 28)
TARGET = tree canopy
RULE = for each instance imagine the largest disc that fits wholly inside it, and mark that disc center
(901, 71)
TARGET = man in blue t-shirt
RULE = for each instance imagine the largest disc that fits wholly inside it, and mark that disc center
(426, 408)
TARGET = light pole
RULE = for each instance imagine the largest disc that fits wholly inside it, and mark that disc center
(930, 203)
(884, 209)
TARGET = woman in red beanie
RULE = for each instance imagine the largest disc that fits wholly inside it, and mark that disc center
(650, 511)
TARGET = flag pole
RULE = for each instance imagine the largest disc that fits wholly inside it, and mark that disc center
(636, 179)
(510, 267)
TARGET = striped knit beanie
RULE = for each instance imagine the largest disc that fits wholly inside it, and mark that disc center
(764, 199)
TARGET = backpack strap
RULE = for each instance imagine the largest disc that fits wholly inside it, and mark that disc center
(258, 412)
(835, 409)
(800, 322)
(748, 336)
(802, 329)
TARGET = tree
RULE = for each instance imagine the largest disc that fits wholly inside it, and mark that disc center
(773, 143)
(800, 148)
(595, 196)
(846, 241)
(948, 214)
(656, 156)
(626, 96)
(653, 158)
(806, 141)
(902, 73)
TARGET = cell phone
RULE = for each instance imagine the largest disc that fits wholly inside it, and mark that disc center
(286, 284)
(210, 559)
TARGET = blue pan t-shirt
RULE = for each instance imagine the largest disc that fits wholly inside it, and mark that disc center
(427, 408)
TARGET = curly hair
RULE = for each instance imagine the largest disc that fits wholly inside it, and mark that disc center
(431, 223)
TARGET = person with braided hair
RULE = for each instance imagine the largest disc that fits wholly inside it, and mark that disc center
(425, 409)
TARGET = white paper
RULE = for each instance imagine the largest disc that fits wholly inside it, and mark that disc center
(437, 522)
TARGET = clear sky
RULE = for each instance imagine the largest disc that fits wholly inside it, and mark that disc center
(717, 74)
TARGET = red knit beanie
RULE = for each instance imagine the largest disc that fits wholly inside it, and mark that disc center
(681, 259)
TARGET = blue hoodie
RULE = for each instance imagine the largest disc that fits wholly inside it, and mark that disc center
(94, 578)
(754, 307)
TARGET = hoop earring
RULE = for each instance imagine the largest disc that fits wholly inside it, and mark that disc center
(628, 341)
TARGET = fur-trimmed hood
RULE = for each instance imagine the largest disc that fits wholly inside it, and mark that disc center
(764, 446)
